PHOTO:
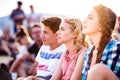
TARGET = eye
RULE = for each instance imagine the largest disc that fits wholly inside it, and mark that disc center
(62, 29)
(45, 32)
(89, 17)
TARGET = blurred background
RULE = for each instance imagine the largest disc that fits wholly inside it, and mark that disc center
(77, 8)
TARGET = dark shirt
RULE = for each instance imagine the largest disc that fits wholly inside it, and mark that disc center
(33, 49)
(18, 16)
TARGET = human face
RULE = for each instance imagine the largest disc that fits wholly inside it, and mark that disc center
(91, 24)
(64, 34)
(48, 37)
(36, 33)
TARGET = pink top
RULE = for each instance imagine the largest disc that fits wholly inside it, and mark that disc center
(68, 65)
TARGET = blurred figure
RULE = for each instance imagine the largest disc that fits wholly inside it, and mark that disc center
(4, 72)
(5, 40)
(26, 63)
(33, 17)
(116, 32)
(4, 49)
(13, 46)
(17, 16)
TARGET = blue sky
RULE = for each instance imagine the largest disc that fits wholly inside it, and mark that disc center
(78, 8)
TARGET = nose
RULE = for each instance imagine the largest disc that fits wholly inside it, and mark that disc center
(42, 35)
(84, 22)
(58, 32)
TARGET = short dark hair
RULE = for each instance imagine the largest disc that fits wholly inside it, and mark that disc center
(19, 3)
(4, 72)
(36, 25)
(20, 33)
(52, 22)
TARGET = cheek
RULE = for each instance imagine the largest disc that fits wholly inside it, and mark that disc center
(65, 38)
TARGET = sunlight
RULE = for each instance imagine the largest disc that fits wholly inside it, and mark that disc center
(77, 8)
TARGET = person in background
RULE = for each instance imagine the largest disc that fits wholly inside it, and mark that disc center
(28, 58)
(70, 34)
(116, 32)
(25, 41)
(4, 72)
(102, 60)
(33, 17)
(50, 52)
(18, 16)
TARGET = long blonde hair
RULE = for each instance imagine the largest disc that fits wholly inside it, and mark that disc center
(76, 27)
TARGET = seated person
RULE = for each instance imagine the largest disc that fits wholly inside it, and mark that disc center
(4, 72)
(50, 52)
(28, 58)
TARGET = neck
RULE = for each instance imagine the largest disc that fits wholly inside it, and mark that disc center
(70, 46)
(96, 39)
(54, 45)
(39, 43)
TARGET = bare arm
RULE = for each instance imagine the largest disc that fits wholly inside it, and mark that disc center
(77, 73)
(33, 69)
(18, 61)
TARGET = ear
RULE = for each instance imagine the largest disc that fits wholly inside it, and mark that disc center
(73, 35)
(99, 29)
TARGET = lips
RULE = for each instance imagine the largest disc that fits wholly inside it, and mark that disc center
(43, 40)
(58, 37)
(84, 26)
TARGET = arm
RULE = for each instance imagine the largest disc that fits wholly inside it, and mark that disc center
(33, 68)
(18, 61)
(77, 73)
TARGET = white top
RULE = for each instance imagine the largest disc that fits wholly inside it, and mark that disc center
(48, 59)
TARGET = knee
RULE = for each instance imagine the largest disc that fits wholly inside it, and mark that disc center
(31, 78)
(98, 69)
(21, 78)
(100, 72)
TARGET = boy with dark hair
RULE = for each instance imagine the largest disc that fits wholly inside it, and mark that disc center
(50, 52)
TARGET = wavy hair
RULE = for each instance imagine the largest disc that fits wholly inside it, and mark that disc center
(76, 27)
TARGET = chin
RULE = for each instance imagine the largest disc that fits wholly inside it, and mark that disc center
(45, 43)
(83, 32)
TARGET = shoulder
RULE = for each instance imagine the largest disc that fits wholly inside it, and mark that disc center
(113, 45)
(44, 47)
(62, 47)
(82, 50)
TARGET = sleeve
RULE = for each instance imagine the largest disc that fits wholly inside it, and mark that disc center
(114, 60)
(38, 55)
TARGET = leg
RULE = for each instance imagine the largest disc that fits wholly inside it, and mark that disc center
(31, 78)
(21, 78)
(22, 70)
(101, 72)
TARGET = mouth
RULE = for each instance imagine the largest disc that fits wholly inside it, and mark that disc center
(84, 26)
(43, 40)
(58, 37)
